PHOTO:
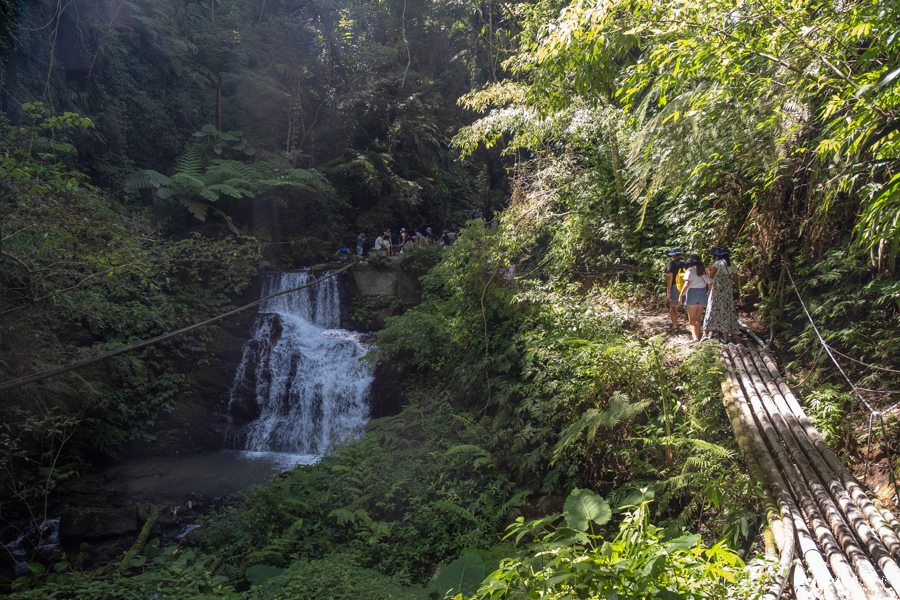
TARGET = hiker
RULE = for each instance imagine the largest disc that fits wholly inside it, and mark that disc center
(360, 242)
(721, 315)
(405, 240)
(418, 236)
(396, 246)
(429, 236)
(386, 243)
(694, 294)
(674, 279)
(445, 238)
(342, 254)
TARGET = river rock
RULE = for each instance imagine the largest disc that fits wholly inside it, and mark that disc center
(93, 523)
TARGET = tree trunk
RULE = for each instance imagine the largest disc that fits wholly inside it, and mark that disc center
(219, 103)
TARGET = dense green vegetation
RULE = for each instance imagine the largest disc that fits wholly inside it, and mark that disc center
(593, 135)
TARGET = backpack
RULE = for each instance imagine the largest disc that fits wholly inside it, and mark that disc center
(679, 278)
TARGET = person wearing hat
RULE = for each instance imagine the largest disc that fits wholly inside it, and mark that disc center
(721, 314)
(404, 238)
(672, 269)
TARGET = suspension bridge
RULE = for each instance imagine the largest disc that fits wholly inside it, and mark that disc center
(834, 539)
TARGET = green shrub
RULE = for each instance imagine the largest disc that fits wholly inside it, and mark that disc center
(333, 577)
(572, 559)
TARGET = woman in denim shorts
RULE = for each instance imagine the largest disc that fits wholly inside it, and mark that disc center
(694, 294)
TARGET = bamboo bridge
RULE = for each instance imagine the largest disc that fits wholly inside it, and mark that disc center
(845, 542)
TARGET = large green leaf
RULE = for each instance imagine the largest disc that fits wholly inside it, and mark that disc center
(463, 575)
(583, 506)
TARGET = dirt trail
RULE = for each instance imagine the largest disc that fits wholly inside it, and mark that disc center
(655, 323)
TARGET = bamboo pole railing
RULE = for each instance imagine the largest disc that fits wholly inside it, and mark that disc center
(846, 542)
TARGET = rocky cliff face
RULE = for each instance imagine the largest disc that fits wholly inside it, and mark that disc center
(378, 292)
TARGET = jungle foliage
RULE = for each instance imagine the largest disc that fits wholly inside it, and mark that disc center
(353, 98)
(82, 275)
(627, 127)
(769, 127)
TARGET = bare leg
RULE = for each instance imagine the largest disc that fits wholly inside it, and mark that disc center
(694, 312)
(673, 314)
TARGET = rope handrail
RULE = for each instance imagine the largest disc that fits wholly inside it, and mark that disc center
(14, 383)
(824, 343)
(856, 391)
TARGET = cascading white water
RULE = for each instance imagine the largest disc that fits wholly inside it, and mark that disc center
(310, 386)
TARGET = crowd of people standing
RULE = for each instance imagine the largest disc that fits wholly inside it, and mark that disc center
(698, 288)
(393, 243)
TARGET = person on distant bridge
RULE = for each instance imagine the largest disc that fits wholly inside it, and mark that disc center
(721, 315)
(676, 265)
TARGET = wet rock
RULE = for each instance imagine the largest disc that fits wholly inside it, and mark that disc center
(78, 525)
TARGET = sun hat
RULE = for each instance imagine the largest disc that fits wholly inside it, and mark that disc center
(402, 229)
(722, 251)
(675, 251)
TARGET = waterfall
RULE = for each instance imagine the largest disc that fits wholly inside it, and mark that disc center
(300, 373)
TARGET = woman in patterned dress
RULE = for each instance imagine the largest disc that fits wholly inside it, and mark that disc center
(721, 315)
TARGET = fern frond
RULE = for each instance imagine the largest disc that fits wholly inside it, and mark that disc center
(208, 193)
(223, 170)
(342, 516)
(146, 178)
(190, 183)
(620, 409)
(467, 449)
(190, 162)
(228, 190)
(198, 209)
(698, 444)
(456, 509)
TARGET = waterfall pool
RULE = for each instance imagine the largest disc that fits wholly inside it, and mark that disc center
(174, 479)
